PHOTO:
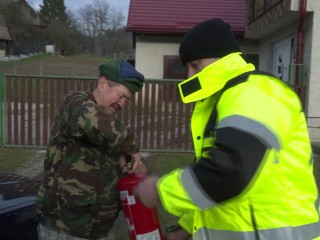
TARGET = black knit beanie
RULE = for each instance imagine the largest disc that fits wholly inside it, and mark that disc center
(208, 39)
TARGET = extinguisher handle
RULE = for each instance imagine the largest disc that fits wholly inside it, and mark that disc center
(128, 161)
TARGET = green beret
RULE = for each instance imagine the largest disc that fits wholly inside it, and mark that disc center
(123, 72)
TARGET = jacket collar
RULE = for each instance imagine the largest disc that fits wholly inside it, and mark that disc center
(213, 77)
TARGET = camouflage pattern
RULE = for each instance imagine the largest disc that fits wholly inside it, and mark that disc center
(79, 193)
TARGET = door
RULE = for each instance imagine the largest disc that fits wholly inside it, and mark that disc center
(282, 59)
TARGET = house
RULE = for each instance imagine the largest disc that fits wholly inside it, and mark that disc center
(278, 35)
(158, 27)
(5, 38)
(290, 48)
(28, 12)
(29, 15)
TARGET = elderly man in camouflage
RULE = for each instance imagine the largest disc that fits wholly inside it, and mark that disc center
(85, 157)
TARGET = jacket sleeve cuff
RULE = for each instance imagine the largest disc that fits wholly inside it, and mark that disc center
(186, 222)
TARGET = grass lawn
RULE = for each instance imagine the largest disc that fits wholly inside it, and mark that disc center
(54, 65)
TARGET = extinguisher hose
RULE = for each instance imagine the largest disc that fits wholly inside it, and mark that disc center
(172, 228)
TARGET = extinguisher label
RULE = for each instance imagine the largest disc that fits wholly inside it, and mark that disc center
(154, 235)
(131, 200)
(123, 195)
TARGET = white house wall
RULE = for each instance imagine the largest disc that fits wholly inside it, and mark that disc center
(312, 47)
(149, 57)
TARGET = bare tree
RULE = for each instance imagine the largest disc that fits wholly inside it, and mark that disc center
(117, 20)
(94, 21)
(116, 40)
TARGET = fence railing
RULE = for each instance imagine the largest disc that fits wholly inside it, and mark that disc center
(30, 103)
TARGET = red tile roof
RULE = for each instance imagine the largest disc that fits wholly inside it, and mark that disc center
(177, 16)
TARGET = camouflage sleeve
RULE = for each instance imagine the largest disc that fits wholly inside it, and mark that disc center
(90, 122)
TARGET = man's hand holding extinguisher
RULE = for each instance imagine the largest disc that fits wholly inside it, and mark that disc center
(133, 164)
(146, 192)
(142, 222)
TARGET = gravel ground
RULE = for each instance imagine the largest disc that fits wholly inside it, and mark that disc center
(32, 167)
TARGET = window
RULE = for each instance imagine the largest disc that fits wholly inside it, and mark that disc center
(173, 68)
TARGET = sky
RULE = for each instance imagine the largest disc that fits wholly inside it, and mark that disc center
(118, 5)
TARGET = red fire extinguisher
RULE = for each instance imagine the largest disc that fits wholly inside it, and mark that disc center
(142, 222)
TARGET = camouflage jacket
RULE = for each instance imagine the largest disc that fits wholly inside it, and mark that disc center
(79, 193)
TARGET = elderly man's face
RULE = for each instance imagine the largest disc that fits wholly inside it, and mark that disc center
(113, 96)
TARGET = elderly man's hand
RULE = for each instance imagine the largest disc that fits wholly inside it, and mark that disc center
(138, 165)
(132, 164)
(146, 192)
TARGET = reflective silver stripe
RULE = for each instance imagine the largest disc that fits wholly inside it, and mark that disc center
(305, 232)
(252, 127)
(198, 197)
(201, 234)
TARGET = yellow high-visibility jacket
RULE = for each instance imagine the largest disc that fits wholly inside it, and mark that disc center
(253, 176)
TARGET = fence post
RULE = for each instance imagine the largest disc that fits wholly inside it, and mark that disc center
(2, 132)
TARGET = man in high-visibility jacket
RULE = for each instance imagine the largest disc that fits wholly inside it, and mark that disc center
(253, 175)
